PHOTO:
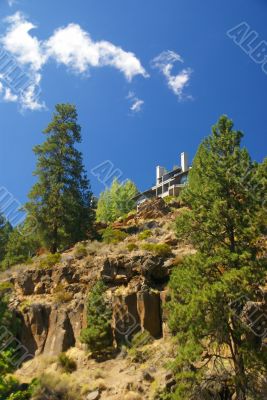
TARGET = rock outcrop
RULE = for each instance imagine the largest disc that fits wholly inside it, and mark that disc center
(51, 302)
(51, 325)
(154, 208)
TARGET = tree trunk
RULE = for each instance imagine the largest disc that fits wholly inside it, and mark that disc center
(54, 245)
(240, 374)
(241, 384)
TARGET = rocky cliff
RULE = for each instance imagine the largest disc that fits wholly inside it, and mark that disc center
(50, 302)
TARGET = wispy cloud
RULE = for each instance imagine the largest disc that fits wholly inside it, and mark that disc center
(164, 62)
(9, 96)
(11, 2)
(71, 46)
(136, 103)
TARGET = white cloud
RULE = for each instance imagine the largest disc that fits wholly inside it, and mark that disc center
(74, 47)
(25, 59)
(136, 103)
(70, 45)
(9, 96)
(165, 63)
(19, 42)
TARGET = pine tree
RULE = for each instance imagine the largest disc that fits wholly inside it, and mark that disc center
(20, 248)
(225, 196)
(98, 334)
(5, 231)
(61, 200)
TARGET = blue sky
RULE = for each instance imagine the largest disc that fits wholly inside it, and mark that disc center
(149, 78)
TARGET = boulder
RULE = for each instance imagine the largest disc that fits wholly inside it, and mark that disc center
(95, 395)
(154, 269)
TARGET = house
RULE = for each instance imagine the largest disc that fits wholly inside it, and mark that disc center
(167, 183)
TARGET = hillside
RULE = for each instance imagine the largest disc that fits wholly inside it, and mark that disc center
(50, 302)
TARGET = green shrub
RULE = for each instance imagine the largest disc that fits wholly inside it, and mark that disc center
(98, 334)
(61, 295)
(66, 363)
(19, 248)
(114, 236)
(168, 199)
(10, 389)
(131, 213)
(80, 251)
(6, 286)
(56, 386)
(49, 261)
(145, 234)
(161, 249)
(132, 246)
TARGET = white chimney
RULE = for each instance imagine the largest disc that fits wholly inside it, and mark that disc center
(159, 173)
(184, 162)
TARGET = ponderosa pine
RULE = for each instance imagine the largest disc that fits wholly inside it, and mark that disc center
(61, 200)
(225, 196)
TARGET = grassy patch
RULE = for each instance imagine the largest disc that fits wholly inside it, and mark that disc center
(113, 236)
(80, 250)
(132, 246)
(49, 261)
(145, 234)
(138, 353)
(66, 363)
(61, 295)
(160, 249)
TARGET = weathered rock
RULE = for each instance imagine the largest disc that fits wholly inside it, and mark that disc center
(153, 268)
(40, 288)
(126, 320)
(60, 336)
(77, 320)
(26, 281)
(164, 296)
(148, 306)
(51, 329)
(154, 208)
(94, 395)
(147, 376)
(34, 327)
(67, 273)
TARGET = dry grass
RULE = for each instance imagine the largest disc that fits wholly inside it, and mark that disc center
(61, 295)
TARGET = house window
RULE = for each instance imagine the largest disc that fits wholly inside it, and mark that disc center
(184, 179)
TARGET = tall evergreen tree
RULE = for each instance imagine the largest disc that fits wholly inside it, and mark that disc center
(5, 231)
(61, 200)
(225, 198)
